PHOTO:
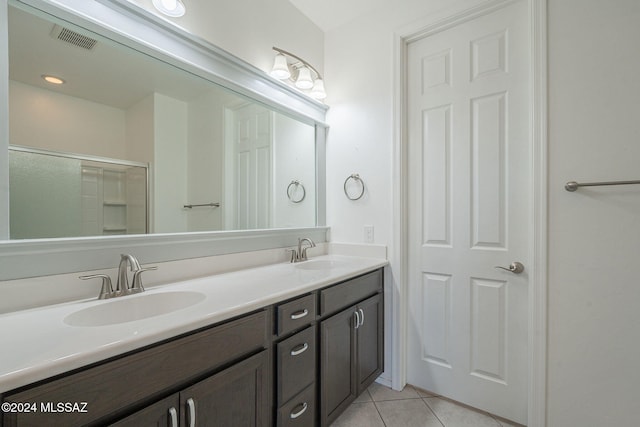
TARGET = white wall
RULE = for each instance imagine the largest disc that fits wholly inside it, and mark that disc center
(139, 131)
(594, 234)
(206, 158)
(170, 165)
(46, 119)
(294, 153)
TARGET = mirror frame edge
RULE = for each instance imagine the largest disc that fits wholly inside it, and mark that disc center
(4, 121)
(41, 257)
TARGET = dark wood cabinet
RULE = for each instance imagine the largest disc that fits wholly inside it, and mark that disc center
(300, 362)
(116, 388)
(351, 355)
(238, 396)
(337, 364)
(370, 342)
(296, 364)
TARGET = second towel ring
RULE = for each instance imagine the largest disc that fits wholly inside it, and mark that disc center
(297, 184)
(355, 177)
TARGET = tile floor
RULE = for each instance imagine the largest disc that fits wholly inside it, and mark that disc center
(380, 406)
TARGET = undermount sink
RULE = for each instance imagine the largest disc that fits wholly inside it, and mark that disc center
(321, 264)
(133, 308)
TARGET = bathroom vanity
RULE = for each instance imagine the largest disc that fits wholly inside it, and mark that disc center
(258, 352)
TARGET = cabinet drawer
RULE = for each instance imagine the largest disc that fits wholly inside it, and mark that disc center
(296, 363)
(112, 387)
(299, 411)
(296, 314)
(350, 292)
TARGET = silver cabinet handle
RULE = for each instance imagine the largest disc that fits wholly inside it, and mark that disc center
(295, 415)
(357, 319)
(191, 404)
(515, 267)
(362, 318)
(299, 349)
(299, 314)
(173, 414)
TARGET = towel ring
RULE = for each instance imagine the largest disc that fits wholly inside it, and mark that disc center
(356, 178)
(297, 184)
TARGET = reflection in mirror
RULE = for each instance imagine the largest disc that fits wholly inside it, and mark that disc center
(204, 144)
(63, 195)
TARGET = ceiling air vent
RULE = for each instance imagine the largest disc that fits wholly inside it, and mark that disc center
(72, 37)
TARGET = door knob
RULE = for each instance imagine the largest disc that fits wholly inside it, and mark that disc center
(515, 267)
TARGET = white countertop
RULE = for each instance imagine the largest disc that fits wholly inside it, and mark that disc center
(37, 343)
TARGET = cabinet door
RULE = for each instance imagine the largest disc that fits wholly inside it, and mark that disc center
(370, 341)
(164, 413)
(337, 364)
(238, 396)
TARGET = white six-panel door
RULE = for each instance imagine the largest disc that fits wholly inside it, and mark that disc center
(469, 172)
(250, 167)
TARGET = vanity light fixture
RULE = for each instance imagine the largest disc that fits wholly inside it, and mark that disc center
(300, 72)
(172, 8)
(53, 79)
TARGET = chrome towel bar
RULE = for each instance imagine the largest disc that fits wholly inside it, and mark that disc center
(573, 186)
(211, 205)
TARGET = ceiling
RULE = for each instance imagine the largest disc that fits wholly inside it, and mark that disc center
(329, 14)
(109, 73)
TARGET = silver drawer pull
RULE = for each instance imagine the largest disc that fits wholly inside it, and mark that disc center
(295, 415)
(299, 349)
(174, 416)
(192, 412)
(299, 314)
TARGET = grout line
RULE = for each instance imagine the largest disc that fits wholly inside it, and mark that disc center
(379, 414)
(424, 400)
(368, 393)
(496, 420)
(404, 398)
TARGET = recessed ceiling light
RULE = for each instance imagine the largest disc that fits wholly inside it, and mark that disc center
(172, 8)
(53, 79)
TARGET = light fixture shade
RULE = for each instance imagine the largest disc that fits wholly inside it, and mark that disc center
(304, 80)
(280, 68)
(318, 90)
(53, 79)
(172, 8)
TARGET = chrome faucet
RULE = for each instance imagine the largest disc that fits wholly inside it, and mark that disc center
(301, 253)
(122, 284)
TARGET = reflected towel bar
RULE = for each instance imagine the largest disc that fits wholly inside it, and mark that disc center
(573, 186)
(211, 205)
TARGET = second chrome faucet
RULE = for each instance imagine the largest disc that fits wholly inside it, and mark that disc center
(301, 253)
(123, 287)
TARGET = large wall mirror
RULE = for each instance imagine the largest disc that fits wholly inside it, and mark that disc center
(216, 160)
(149, 132)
